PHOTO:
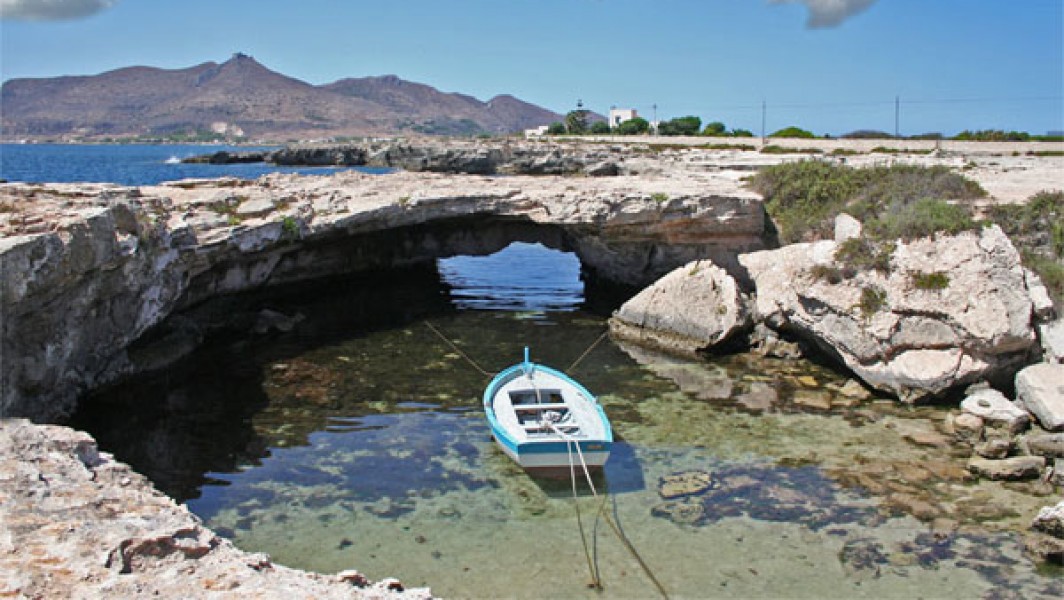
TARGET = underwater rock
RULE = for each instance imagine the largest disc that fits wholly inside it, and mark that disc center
(994, 408)
(1009, 469)
(1049, 445)
(965, 427)
(759, 398)
(863, 557)
(686, 511)
(996, 448)
(687, 483)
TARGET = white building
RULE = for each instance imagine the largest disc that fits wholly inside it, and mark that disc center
(537, 132)
(620, 115)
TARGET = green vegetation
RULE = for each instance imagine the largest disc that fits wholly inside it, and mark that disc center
(576, 122)
(716, 129)
(1037, 229)
(866, 134)
(689, 125)
(774, 149)
(937, 280)
(636, 126)
(556, 128)
(793, 132)
(290, 227)
(659, 197)
(804, 197)
(863, 253)
(873, 299)
(599, 128)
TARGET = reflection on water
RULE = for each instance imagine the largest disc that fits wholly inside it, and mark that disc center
(365, 447)
(522, 277)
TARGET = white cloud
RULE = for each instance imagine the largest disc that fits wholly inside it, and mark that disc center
(51, 10)
(830, 13)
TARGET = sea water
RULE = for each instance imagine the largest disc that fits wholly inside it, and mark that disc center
(131, 164)
(357, 441)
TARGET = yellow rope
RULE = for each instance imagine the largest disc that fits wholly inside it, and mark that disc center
(459, 351)
(588, 351)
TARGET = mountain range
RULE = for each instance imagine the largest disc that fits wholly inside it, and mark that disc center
(242, 99)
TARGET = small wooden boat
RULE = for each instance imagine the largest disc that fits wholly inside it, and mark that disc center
(539, 416)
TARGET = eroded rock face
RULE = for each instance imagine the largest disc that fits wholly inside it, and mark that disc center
(895, 335)
(76, 524)
(86, 269)
(695, 306)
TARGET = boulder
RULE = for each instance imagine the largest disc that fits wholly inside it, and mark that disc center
(965, 427)
(899, 337)
(994, 408)
(1050, 520)
(1052, 337)
(1009, 469)
(846, 227)
(1042, 303)
(1040, 388)
(1048, 445)
(694, 307)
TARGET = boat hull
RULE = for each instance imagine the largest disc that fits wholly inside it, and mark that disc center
(548, 452)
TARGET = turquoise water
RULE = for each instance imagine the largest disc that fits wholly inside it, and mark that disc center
(360, 443)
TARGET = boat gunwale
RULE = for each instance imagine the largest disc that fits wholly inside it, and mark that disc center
(503, 435)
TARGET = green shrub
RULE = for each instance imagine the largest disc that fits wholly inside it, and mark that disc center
(636, 126)
(923, 218)
(803, 197)
(290, 227)
(774, 149)
(599, 128)
(873, 299)
(793, 132)
(659, 197)
(689, 125)
(862, 253)
(938, 280)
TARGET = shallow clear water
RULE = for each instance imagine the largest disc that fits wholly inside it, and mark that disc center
(130, 164)
(366, 448)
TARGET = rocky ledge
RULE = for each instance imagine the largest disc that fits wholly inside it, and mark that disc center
(88, 269)
(78, 524)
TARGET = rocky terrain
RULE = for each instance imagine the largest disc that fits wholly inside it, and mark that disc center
(87, 269)
(242, 99)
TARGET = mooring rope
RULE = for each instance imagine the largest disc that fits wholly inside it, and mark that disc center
(586, 352)
(592, 563)
(459, 351)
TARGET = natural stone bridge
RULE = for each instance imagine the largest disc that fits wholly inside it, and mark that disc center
(86, 269)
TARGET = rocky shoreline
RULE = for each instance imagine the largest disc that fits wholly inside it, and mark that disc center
(87, 270)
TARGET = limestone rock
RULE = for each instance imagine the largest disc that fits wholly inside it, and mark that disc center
(692, 308)
(76, 524)
(995, 448)
(1050, 519)
(1052, 338)
(965, 427)
(1042, 304)
(994, 408)
(687, 483)
(110, 262)
(1009, 469)
(846, 227)
(1044, 547)
(1041, 390)
(1048, 445)
(905, 340)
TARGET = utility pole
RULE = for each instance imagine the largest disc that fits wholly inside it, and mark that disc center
(763, 108)
(897, 114)
(655, 107)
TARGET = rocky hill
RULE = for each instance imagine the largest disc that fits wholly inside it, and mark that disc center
(241, 98)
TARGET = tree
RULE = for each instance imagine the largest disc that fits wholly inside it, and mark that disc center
(688, 125)
(556, 128)
(576, 122)
(636, 126)
(600, 128)
(742, 133)
(715, 128)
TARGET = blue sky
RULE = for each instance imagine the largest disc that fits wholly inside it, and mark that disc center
(832, 66)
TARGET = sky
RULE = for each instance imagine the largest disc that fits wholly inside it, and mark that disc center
(829, 66)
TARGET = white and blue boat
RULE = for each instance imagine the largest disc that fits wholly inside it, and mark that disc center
(545, 421)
